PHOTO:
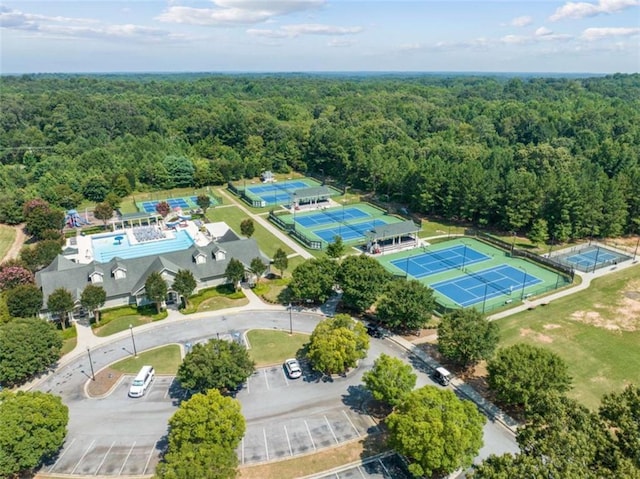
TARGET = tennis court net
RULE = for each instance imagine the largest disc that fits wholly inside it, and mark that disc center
(442, 259)
(490, 284)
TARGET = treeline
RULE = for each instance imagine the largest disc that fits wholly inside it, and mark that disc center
(554, 158)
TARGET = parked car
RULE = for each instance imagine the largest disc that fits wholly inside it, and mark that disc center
(442, 376)
(292, 366)
(375, 331)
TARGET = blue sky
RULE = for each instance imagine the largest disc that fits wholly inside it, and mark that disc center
(601, 36)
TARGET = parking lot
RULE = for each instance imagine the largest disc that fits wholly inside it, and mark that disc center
(387, 467)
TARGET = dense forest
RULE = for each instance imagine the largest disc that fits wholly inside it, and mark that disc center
(558, 158)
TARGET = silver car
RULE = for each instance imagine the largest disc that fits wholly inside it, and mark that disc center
(292, 366)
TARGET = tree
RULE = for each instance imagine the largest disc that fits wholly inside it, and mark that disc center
(40, 255)
(199, 461)
(28, 346)
(437, 431)
(247, 227)
(60, 302)
(93, 298)
(520, 373)
(204, 202)
(24, 301)
(465, 336)
(313, 280)
(103, 212)
(39, 217)
(406, 304)
(257, 267)
(280, 260)
(217, 364)
(33, 426)
(390, 380)
(234, 272)
(539, 233)
(180, 170)
(12, 276)
(337, 344)
(163, 208)
(336, 248)
(155, 288)
(362, 280)
(621, 412)
(184, 284)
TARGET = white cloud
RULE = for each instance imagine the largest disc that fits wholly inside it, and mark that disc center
(521, 21)
(583, 9)
(542, 31)
(305, 29)
(545, 34)
(340, 43)
(592, 34)
(515, 39)
(236, 12)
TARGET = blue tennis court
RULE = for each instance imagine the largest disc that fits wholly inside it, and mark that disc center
(150, 206)
(349, 232)
(486, 284)
(276, 193)
(431, 262)
(325, 217)
(586, 260)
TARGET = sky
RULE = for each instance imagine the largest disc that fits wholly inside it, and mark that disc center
(88, 36)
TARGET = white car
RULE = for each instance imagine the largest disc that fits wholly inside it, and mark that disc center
(292, 366)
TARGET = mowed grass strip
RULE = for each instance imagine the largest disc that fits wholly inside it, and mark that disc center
(7, 237)
(596, 331)
(165, 360)
(233, 216)
(273, 347)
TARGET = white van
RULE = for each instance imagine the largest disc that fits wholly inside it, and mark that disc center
(442, 376)
(141, 382)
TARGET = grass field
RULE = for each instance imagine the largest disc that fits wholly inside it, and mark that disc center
(165, 360)
(113, 321)
(273, 347)
(214, 299)
(596, 331)
(7, 236)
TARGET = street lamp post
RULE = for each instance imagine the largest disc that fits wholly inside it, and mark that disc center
(636, 250)
(595, 262)
(93, 376)
(135, 351)
(464, 256)
(524, 283)
(290, 319)
(484, 300)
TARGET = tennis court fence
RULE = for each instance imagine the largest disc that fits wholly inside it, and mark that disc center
(274, 217)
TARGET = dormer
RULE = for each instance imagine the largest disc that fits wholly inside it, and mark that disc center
(199, 257)
(96, 277)
(119, 271)
(219, 255)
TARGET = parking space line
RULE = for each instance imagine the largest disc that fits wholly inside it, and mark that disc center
(104, 458)
(265, 378)
(350, 422)
(361, 473)
(284, 375)
(288, 441)
(266, 446)
(82, 457)
(385, 468)
(166, 393)
(310, 436)
(242, 450)
(331, 429)
(63, 453)
(148, 460)
(127, 458)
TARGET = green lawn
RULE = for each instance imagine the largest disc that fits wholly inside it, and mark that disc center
(69, 340)
(439, 227)
(273, 347)
(214, 299)
(7, 237)
(232, 215)
(596, 331)
(165, 360)
(113, 321)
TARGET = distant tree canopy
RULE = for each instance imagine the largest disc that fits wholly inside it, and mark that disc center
(501, 151)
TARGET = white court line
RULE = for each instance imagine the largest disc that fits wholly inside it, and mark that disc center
(385, 468)
(350, 422)
(331, 429)
(66, 448)
(127, 458)
(81, 458)
(266, 446)
(146, 465)
(361, 473)
(310, 436)
(288, 441)
(104, 458)
(265, 378)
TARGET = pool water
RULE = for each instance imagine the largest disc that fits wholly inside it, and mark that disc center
(108, 247)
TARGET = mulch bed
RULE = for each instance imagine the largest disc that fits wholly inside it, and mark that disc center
(106, 379)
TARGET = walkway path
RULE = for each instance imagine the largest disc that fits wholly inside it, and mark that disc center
(271, 228)
(18, 242)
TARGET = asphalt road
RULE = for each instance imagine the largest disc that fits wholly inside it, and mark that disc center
(117, 435)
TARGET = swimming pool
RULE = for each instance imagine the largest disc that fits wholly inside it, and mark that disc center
(107, 247)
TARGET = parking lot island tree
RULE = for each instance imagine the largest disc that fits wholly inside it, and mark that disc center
(198, 461)
(234, 273)
(466, 336)
(439, 432)
(406, 305)
(313, 280)
(280, 261)
(93, 298)
(336, 344)
(33, 426)
(155, 288)
(518, 374)
(28, 346)
(362, 279)
(390, 380)
(60, 303)
(217, 364)
(24, 301)
(184, 284)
